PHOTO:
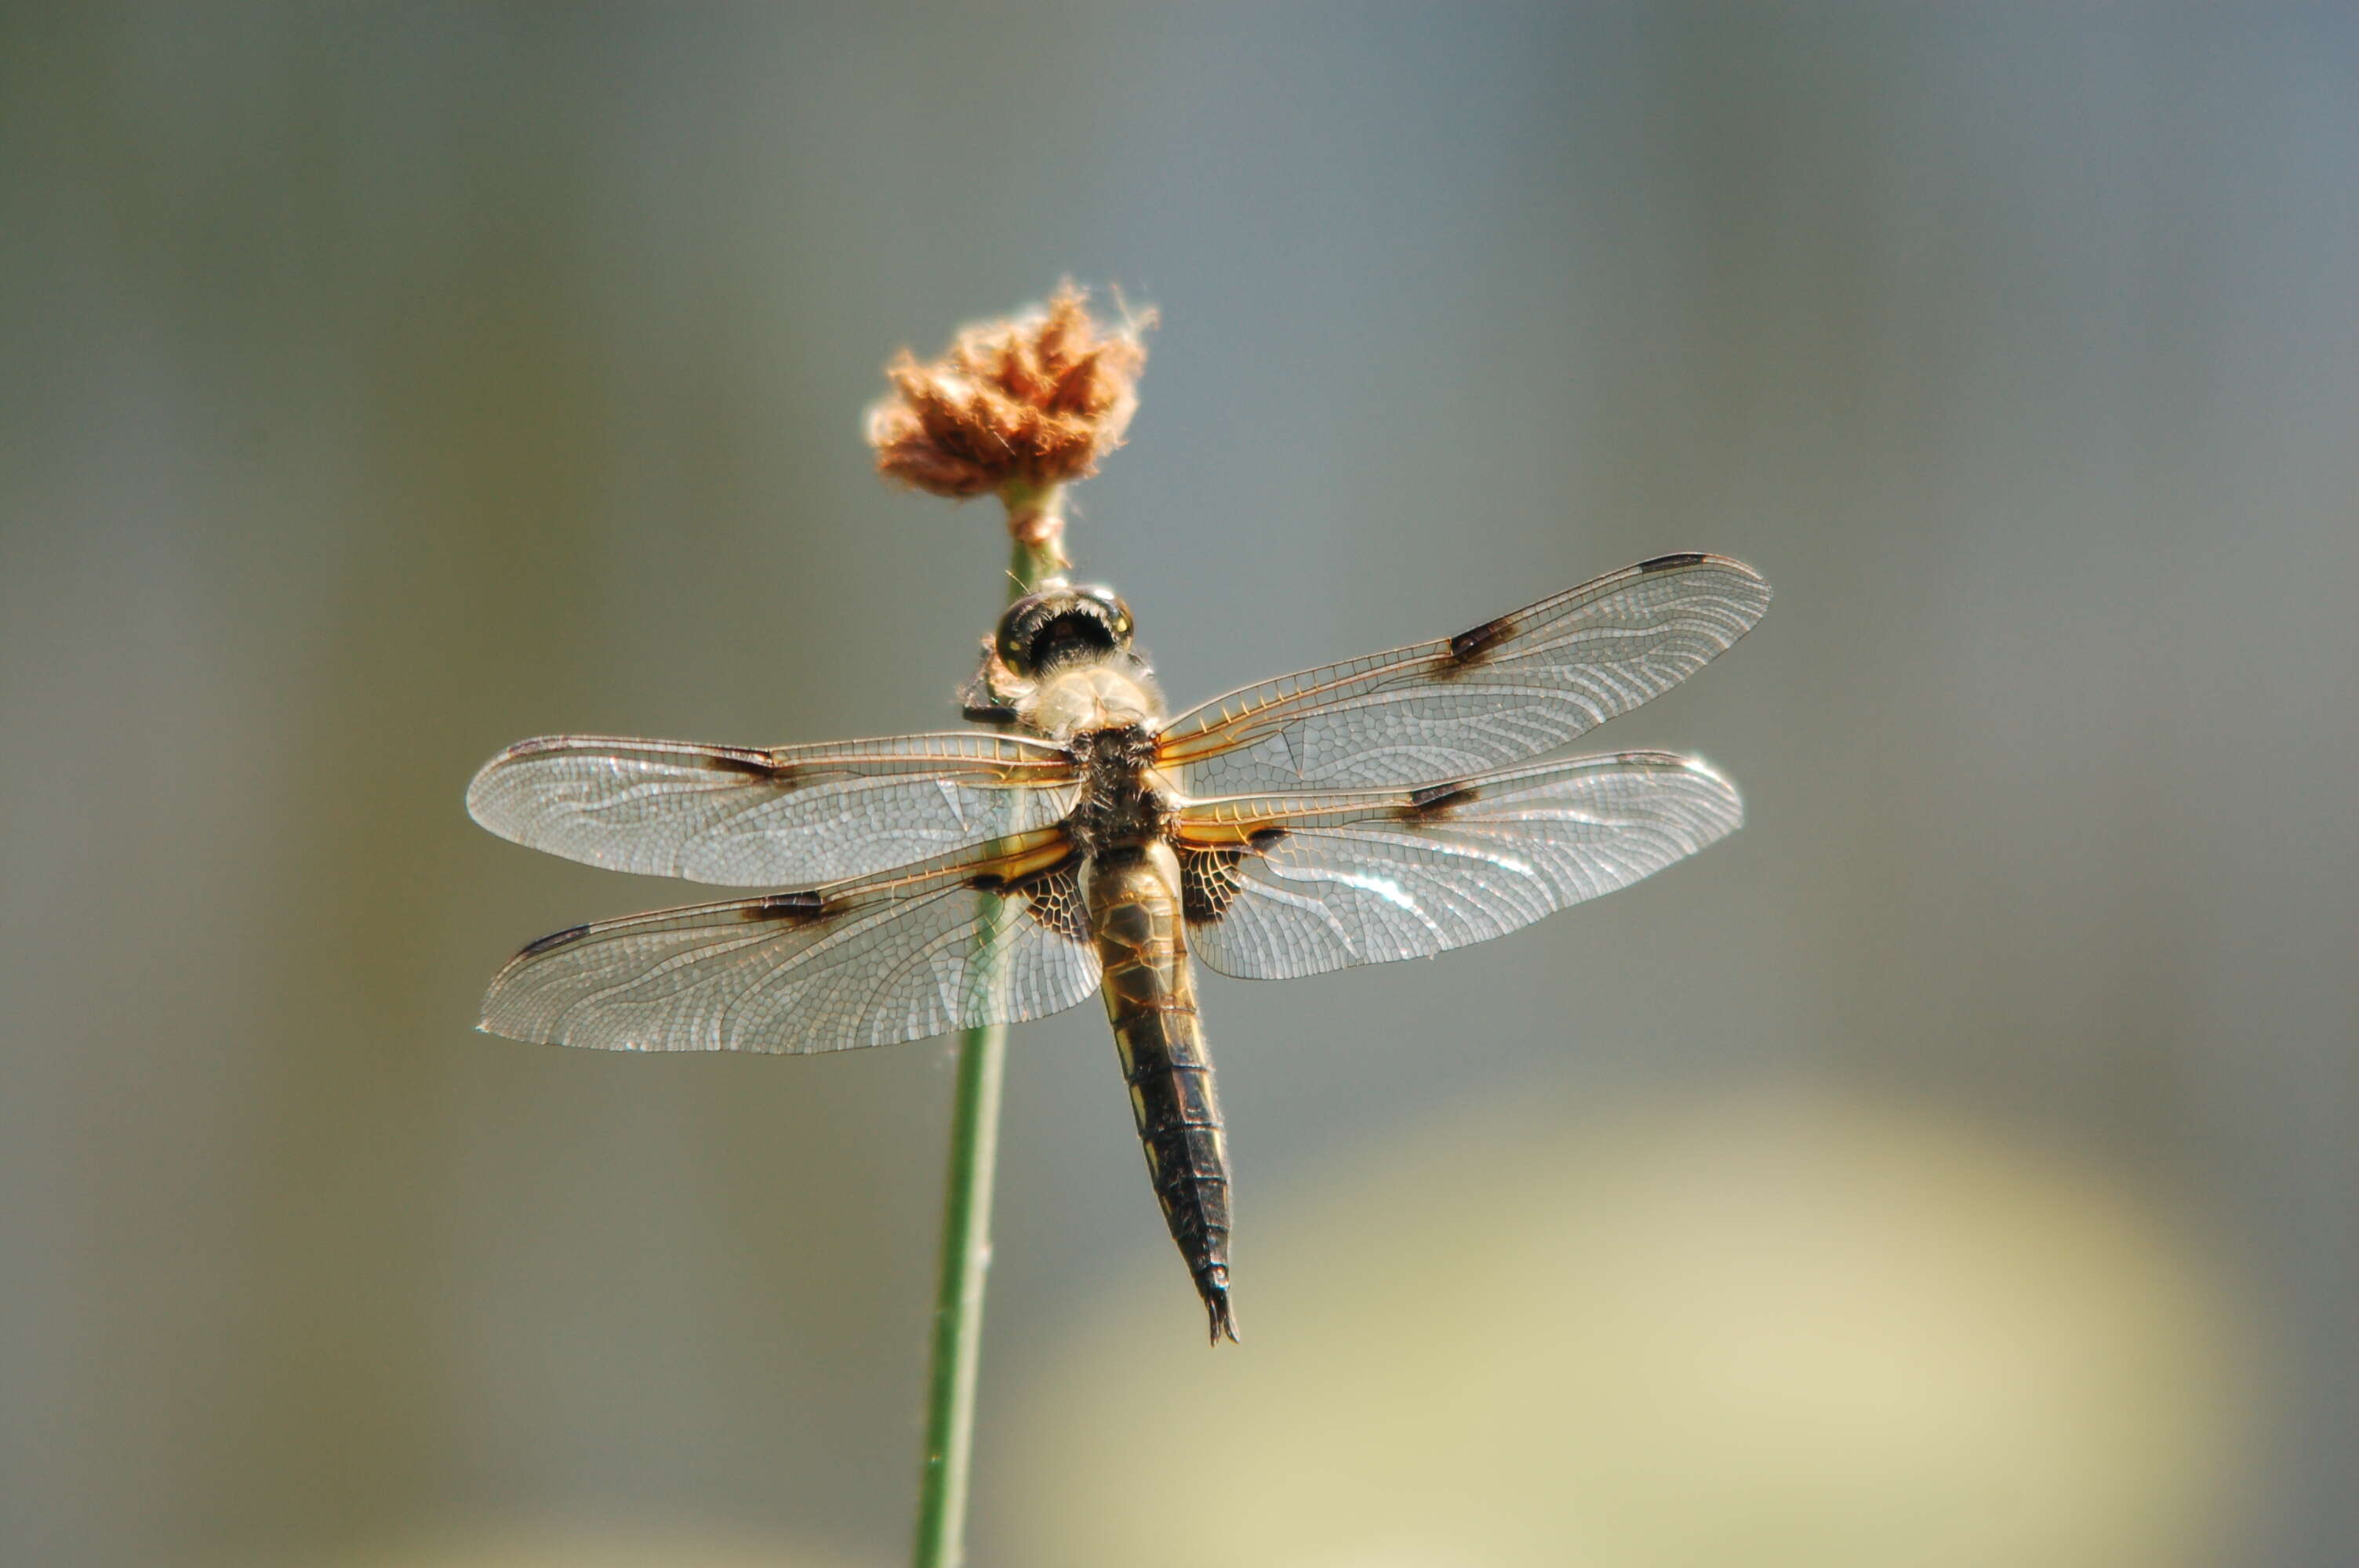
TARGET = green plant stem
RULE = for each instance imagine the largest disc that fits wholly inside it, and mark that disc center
(958, 1306)
(966, 1224)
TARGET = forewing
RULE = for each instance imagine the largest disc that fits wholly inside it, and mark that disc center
(864, 963)
(1504, 691)
(1283, 885)
(791, 816)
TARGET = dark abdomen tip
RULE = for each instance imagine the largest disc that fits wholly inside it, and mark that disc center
(1214, 1286)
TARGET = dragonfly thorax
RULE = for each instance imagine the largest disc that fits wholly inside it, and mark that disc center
(1122, 801)
(1108, 693)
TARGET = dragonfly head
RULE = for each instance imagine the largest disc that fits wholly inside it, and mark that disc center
(1060, 624)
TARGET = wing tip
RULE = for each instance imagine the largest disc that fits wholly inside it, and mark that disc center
(1729, 796)
(1680, 560)
(488, 1014)
(481, 791)
(1722, 790)
(489, 1021)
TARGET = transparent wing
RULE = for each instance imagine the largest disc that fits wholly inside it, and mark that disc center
(861, 963)
(1508, 689)
(791, 816)
(1283, 885)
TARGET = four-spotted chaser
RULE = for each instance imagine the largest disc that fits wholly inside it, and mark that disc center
(1384, 808)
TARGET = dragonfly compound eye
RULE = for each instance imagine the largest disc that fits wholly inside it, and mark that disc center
(1049, 628)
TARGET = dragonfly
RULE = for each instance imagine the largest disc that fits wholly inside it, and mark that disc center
(1079, 840)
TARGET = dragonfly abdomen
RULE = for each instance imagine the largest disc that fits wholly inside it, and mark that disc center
(1133, 895)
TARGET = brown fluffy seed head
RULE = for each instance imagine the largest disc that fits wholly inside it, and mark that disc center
(1017, 406)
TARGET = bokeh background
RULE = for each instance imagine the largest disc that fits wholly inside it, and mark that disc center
(1957, 1167)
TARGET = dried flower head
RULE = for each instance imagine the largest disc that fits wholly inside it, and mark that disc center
(1014, 406)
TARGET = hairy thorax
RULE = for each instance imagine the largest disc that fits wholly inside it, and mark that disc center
(1099, 694)
(1106, 711)
(1125, 803)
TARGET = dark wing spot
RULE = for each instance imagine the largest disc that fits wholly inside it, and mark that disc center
(1469, 646)
(1437, 801)
(1210, 880)
(793, 908)
(1053, 898)
(761, 765)
(1665, 563)
(553, 941)
(1208, 883)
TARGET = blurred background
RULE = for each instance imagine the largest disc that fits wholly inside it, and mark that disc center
(1956, 1167)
